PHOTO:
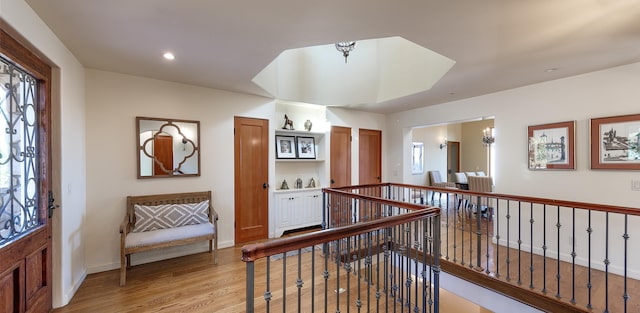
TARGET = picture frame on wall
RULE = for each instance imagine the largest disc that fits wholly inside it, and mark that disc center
(417, 158)
(285, 147)
(615, 142)
(552, 146)
(306, 147)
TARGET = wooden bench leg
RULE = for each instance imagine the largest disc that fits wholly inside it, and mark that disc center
(123, 268)
(215, 250)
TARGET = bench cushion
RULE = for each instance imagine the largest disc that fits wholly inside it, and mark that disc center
(159, 236)
(154, 217)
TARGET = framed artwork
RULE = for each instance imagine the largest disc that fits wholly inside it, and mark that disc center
(551, 146)
(615, 142)
(417, 158)
(285, 147)
(306, 147)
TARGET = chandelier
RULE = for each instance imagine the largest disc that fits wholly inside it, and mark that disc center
(487, 136)
(345, 47)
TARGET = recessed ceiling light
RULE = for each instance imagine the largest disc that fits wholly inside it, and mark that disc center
(168, 56)
(549, 70)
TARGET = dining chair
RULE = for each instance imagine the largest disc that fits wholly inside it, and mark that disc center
(482, 184)
(460, 179)
(435, 180)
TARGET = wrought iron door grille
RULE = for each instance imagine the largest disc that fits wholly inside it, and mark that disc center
(19, 179)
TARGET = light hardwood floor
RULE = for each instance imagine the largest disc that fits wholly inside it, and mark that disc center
(194, 284)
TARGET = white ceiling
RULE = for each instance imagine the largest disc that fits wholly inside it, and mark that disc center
(496, 44)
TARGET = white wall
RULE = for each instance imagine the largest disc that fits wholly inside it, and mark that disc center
(113, 102)
(357, 120)
(605, 93)
(609, 92)
(435, 159)
(68, 144)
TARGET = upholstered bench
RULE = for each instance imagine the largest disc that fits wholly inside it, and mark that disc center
(161, 221)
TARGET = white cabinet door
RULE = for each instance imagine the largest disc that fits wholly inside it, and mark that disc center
(297, 209)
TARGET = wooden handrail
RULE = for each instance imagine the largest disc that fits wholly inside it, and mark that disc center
(253, 252)
(546, 201)
(404, 205)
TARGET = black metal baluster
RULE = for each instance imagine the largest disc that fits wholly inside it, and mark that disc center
(462, 224)
(487, 270)
(544, 248)
(284, 282)
(479, 233)
(606, 263)
(299, 281)
(379, 233)
(455, 234)
(338, 265)
(369, 269)
(425, 277)
(625, 296)
(508, 242)
(313, 278)
(573, 256)
(471, 231)
(436, 263)
(347, 269)
(267, 293)
(589, 285)
(558, 274)
(359, 273)
(497, 219)
(446, 226)
(531, 222)
(519, 243)
(325, 251)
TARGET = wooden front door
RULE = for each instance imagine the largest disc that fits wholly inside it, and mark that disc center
(340, 156)
(370, 151)
(25, 169)
(251, 179)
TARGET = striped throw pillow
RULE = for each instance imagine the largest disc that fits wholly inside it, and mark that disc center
(152, 217)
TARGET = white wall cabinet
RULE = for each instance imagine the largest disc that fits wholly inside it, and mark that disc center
(297, 208)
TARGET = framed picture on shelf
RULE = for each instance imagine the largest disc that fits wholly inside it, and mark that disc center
(615, 142)
(285, 147)
(551, 146)
(306, 147)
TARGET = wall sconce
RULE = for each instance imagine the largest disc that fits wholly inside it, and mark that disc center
(487, 136)
(443, 144)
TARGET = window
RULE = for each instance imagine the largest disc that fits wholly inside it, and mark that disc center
(19, 158)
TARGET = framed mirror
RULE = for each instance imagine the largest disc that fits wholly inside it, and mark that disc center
(167, 147)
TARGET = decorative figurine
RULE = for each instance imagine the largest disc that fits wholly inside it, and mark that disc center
(284, 185)
(312, 183)
(288, 124)
(298, 183)
(307, 125)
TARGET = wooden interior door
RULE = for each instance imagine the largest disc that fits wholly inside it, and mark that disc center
(370, 171)
(340, 156)
(340, 172)
(453, 159)
(25, 262)
(163, 154)
(251, 179)
(370, 157)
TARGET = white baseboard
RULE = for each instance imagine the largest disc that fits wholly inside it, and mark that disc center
(157, 255)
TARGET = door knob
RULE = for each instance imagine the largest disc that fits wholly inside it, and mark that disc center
(333, 181)
(265, 185)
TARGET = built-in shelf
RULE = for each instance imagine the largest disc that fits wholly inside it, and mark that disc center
(297, 190)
